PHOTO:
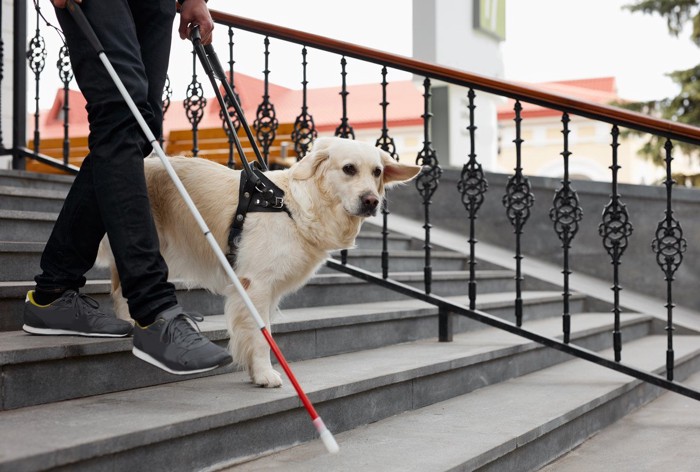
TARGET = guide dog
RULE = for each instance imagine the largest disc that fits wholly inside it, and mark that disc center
(328, 193)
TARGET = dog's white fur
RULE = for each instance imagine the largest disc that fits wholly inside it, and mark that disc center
(278, 254)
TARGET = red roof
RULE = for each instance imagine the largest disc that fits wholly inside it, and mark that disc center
(601, 90)
(363, 102)
(324, 104)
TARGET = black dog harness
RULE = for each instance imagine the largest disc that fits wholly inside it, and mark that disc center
(260, 196)
(256, 192)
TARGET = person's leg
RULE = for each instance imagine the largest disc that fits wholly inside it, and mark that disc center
(118, 193)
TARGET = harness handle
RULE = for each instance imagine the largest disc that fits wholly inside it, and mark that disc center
(214, 70)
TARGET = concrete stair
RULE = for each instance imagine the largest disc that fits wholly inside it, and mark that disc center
(395, 398)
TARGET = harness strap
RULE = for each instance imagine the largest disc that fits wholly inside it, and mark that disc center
(263, 196)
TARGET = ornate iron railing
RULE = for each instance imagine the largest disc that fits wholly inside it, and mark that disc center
(565, 214)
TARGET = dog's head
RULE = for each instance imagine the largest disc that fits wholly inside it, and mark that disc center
(352, 172)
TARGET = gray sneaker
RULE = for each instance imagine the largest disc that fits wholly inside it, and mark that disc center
(175, 344)
(73, 314)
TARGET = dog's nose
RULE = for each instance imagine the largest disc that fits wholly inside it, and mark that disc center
(369, 202)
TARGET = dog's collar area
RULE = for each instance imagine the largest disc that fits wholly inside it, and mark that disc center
(261, 195)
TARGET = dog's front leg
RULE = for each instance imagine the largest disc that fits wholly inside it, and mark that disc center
(248, 346)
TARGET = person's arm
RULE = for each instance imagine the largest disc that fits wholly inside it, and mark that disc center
(195, 12)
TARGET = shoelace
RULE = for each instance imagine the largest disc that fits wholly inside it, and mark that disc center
(89, 305)
(187, 329)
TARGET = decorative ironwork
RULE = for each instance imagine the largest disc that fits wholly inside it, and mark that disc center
(304, 131)
(472, 185)
(36, 56)
(615, 231)
(344, 130)
(194, 104)
(230, 109)
(65, 73)
(166, 100)
(266, 122)
(518, 200)
(566, 213)
(428, 180)
(2, 75)
(669, 246)
(386, 143)
(167, 95)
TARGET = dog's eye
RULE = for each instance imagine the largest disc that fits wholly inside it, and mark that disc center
(349, 169)
(377, 172)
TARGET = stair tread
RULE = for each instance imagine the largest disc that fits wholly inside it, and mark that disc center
(18, 346)
(97, 285)
(11, 190)
(28, 215)
(76, 428)
(635, 443)
(469, 431)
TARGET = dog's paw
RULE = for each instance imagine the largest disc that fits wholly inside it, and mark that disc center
(269, 378)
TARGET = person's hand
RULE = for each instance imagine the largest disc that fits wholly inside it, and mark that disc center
(62, 3)
(195, 12)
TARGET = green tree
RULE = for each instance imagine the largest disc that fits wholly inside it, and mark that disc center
(684, 107)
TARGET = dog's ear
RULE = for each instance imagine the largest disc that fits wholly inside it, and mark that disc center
(308, 165)
(397, 172)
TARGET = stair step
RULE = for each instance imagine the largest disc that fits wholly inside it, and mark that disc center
(31, 226)
(18, 178)
(71, 367)
(519, 424)
(322, 289)
(408, 261)
(197, 423)
(658, 436)
(31, 199)
(20, 261)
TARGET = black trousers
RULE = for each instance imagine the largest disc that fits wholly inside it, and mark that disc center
(109, 194)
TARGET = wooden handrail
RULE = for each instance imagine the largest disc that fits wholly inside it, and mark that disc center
(609, 114)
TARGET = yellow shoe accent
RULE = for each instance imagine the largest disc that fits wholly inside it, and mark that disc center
(30, 299)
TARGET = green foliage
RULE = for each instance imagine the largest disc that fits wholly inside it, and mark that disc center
(685, 107)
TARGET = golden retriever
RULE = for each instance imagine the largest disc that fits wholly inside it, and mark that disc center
(328, 193)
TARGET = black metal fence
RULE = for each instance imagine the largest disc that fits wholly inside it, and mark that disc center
(615, 227)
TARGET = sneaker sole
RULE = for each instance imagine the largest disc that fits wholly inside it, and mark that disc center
(147, 358)
(64, 332)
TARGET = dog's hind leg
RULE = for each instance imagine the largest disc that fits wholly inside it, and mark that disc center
(248, 346)
(121, 308)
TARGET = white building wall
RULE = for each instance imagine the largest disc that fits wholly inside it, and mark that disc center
(6, 94)
(443, 33)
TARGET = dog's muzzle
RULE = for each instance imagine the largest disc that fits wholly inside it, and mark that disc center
(368, 204)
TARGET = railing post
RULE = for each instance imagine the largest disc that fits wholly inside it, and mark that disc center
(445, 325)
(19, 84)
(386, 143)
(2, 79)
(266, 122)
(65, 73)
(472, 185)
(518, 200)
(566, 214)
(428, 180)
(344, 130)
(669, 246)
(615, 231)
(194, 104)
(167, 96)
(304, 128)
